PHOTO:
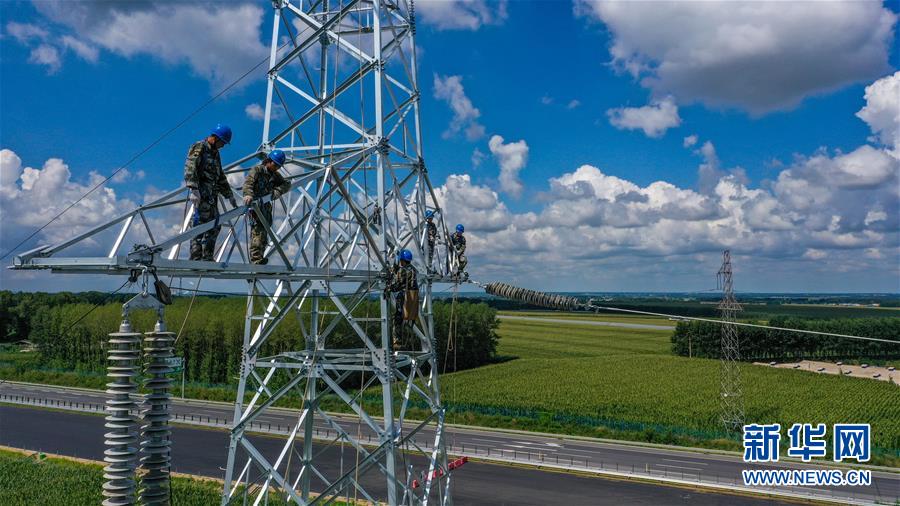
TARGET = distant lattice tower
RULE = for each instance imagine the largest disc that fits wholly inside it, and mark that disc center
(732, 395)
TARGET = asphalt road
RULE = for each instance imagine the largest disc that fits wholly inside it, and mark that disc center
(582, 321)
(202, 451)
(653, 461)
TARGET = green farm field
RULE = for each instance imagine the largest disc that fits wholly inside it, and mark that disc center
(600, 317)
(624, 383)
(28, 479)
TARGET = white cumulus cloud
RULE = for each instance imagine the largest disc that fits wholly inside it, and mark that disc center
(654, 119)
(465, 115)
(758, 56)
(511, 157)
(461, 14)
(31, 197)
(218, 41)
(882, 109)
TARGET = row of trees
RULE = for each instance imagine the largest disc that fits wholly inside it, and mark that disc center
(702, 339)
(17, 308)
(212, 336)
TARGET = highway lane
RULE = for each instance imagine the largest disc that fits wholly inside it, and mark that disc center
(654, 461)
(202, 451)
(582, 321)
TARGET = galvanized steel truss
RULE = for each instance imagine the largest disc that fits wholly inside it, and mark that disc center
(342, 101)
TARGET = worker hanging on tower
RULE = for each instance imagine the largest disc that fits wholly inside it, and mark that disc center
(376, 215)
(431, 238)
(262, 180)
(204, 177)
(403, 284)
(458, 241)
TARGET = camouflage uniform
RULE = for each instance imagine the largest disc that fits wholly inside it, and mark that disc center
(431, 237)
(259, 183)
(403, 278)
(376, 215)
(203, 173)
(459, 245)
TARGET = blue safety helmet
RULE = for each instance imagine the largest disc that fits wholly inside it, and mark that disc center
(429, 214)
(222, 132)
(460, 228)
(277, 156)
(406, 255)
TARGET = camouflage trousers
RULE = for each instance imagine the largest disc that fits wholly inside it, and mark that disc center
(203, 247)
(258, 241)
(463, 262)
(403, 334)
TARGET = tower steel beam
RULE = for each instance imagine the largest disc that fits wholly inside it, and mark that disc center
(342, 100)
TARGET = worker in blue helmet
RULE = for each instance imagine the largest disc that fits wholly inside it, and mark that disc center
(263, 180)
(404, 286)
(458, 242)
(206, 181)
(430, 237)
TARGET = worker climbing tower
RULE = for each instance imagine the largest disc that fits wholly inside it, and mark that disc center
(342, 101)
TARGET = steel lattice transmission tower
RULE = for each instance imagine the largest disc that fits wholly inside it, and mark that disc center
(732, 395)
(342, 101)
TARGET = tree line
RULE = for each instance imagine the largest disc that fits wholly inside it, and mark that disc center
(703, 339)
(212, 336)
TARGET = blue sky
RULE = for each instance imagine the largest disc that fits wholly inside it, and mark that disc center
(771, 95)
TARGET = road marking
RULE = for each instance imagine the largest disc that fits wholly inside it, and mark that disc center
(687, 462)
(539, 443)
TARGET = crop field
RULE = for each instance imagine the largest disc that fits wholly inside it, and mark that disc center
(600, 317)
(594, 379)
(26, 480)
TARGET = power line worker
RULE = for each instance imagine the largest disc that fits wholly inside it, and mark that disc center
(458, 241)
(376, 215)
(204, 177)
(406, 289)
(430, 237)
(262, 180)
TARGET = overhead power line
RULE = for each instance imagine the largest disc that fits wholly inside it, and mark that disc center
(139, 154)
(563, 302)
(742, 324)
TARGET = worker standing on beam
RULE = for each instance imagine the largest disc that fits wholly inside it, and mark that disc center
(204, 177)
(406, 289)
(261, 181)
(430, 237)
(458, 241)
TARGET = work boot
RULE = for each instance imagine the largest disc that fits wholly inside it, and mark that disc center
(259, 261)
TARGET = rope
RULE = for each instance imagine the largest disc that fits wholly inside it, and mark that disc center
(188, 313)
(91, 310)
